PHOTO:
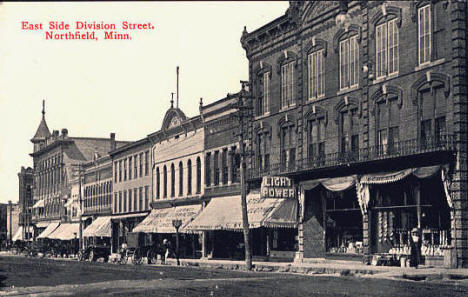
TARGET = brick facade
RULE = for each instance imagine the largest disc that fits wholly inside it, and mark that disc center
(311, 26)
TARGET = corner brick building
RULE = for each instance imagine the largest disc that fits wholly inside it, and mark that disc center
(364, 105)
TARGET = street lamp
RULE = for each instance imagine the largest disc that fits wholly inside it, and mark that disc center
(177, 224)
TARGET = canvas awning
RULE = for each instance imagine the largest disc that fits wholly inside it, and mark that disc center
(130, 215)
(50, 228)
(42, 224)
(390, 177)
(100, 227)
(160, 220)
(226, 213)
(335, 184)
(39, 204)
(19, 234)
(67, 231)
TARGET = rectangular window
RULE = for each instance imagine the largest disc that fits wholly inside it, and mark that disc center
(317, 140)
(115, 172)
(266, 92)
(349, 58)
(426, 133)
(386, 46)
(135, 199)
(125, 201)
(224, 166)
(120, 170)
(120, 201)
(141, 198)
(135, 166)
(440, 130)
(130, 165)
(216, 168)
(130, 201)
(146, 163)
(125, 169)
(316, 75)
(424, 34)
(146, 197)
(287, 80)
(208, 169)
(141, 164)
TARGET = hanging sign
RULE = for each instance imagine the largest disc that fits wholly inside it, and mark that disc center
(277, 187)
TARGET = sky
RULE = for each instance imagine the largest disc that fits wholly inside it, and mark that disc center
(93, 88)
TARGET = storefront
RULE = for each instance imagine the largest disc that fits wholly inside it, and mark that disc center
(398, 202)
(99, 233)
(121, 226)
(272, 221)
(159, 225)
(331, 218)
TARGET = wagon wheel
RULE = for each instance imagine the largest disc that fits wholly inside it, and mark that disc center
(151, 256)
(137, 259)
(80, 255)
(123, 259)
(91, 256)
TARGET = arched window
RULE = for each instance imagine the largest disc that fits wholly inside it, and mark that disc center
(158, 183)
(172, 180)
(198, 175)
(181, 179)
(189, 177)
(165, 181)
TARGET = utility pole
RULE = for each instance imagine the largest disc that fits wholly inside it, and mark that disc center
(245, 219)
(80, 232)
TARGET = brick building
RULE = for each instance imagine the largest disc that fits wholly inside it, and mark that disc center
(177, 162)
(25, 183)
(57, 159)
(131, 187)
(364, 105)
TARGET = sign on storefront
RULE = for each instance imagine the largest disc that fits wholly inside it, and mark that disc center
(277, 187)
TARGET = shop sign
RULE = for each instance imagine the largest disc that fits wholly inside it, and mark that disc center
(277, 187)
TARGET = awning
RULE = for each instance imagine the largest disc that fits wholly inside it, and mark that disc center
(390, 177)
(160, 220)
(42, 224)
(100, 227)
(226, 213)
(39, 204)
(50, 228)
(130, 215)
(66, 231)
(19, 235)
(336, 184)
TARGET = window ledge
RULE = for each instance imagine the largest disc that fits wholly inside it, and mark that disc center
(262, 116)
(385, 78)
(347, 90)
(288, 108)
(313, 99)
(430, 64)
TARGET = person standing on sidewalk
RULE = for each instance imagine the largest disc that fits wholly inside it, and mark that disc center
(415, 245)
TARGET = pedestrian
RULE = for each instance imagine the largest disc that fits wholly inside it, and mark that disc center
(415, 248)
(167, 248)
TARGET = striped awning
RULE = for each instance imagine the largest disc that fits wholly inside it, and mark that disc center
(67, 231)
(226, 213)
(160, 220)
(100, 227)
(50, 228)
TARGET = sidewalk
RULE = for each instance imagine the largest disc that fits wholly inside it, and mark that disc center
(328, 266)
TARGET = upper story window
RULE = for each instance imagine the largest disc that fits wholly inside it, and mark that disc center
(387, 124)
(130, 165)
(386, 47)
(349, 131)
(316, 139)
(146, 163)
(125, 169)
(165, 181)
(316, 74)
(287, 84)
(263, 150)
(208, 169)
(135, 166)
(120, 170)
(235, 161)
(140, 159)
(189, 177)
(424, 34)
(181, 179)
(198, 175)
(266, 92)
(216, 167)
(158, 183)
(288, 146)
(349, 60)
(172, 180)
